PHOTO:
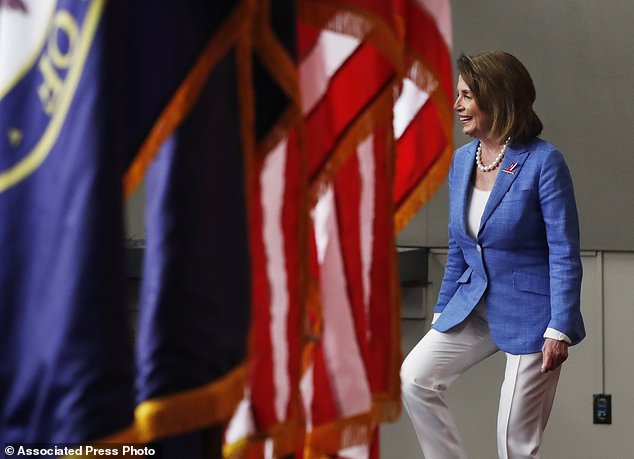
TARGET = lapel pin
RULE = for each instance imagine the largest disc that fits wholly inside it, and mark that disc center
(510, 169)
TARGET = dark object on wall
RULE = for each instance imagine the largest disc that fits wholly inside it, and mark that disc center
(134, 261)
(602, 408)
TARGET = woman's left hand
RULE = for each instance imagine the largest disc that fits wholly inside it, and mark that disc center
(554, 353)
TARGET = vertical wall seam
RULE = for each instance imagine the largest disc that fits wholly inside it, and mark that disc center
(602, 303)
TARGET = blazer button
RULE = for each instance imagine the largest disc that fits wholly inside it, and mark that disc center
(478, 248)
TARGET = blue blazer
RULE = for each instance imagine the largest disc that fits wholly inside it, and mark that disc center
(525, 261)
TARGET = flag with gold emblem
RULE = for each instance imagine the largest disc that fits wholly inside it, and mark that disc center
(66, 361)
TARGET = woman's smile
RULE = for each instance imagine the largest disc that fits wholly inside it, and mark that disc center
(475, 122)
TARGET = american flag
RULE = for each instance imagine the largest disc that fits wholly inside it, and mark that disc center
(343, 123)
(375, 95)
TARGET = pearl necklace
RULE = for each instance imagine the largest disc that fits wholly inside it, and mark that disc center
(496, 162)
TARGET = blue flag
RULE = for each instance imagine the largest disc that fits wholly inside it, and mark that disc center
(87, 89)
(66, 371)
(196, 297)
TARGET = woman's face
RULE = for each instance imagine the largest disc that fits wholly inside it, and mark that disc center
(475, 123)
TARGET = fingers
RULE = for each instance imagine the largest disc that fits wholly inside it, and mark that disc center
(554, 354)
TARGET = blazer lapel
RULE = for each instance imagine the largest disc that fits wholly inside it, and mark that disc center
(512, 163)
(463, 186)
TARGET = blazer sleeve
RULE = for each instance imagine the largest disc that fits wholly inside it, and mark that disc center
(559, 211)
(456, 263)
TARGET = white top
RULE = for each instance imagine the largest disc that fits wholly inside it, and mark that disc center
(477, 201)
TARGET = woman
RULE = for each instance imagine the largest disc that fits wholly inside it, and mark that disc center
(513, 275)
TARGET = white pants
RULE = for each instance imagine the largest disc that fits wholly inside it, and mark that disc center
(438, 359)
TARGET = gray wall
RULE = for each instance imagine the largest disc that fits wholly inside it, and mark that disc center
(135, 225)
(580, 54)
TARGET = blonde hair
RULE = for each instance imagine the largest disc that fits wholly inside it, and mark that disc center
(504, 90)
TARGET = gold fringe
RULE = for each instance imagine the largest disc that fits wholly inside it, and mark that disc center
(390, 403)
(427, 79)
(286, 440)
(187, 94)
(379, 111)
(423, 75)
(388, 406)
(190, 410)
(235, 450)
(330, 438)
(424, 190)
(327, 439)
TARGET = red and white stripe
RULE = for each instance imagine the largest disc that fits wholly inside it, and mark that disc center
(365, 155)
(343, 355)
(272, 201)
(327, 55)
